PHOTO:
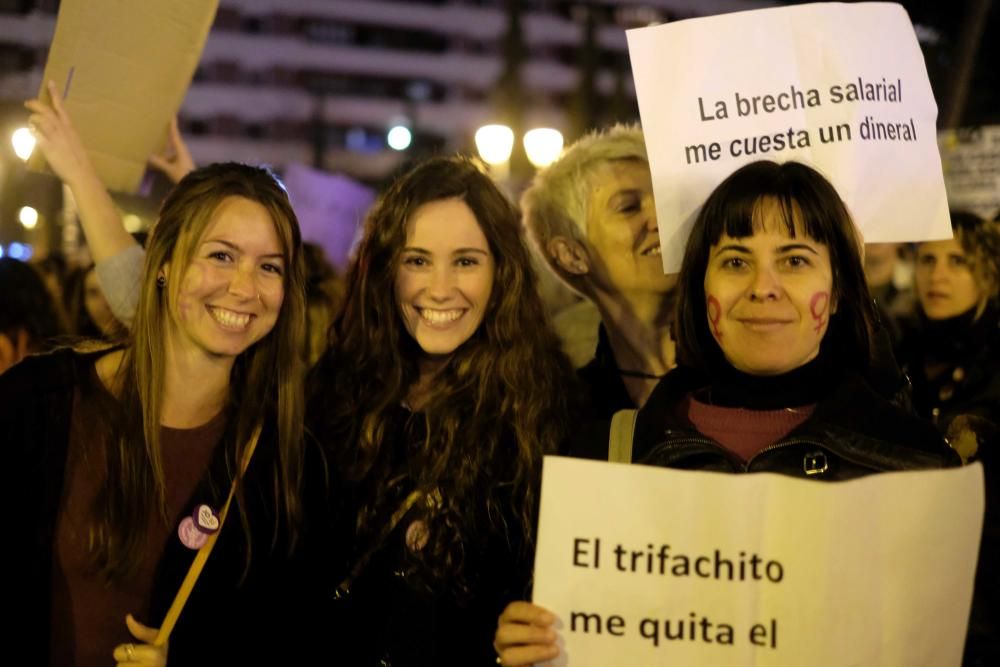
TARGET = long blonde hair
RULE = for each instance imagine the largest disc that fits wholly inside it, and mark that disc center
(266, 384)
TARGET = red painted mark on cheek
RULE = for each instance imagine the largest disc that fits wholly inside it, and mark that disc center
(714, 315)
(818, 309)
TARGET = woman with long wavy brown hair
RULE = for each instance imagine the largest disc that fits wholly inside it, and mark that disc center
(441, 392)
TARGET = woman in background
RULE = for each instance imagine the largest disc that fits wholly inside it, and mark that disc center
(89, 312)
(952, 349)
(29, 317)
(951, 352)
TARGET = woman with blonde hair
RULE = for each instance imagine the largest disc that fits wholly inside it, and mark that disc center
(950, 348)
(592, 217)
(125, 455)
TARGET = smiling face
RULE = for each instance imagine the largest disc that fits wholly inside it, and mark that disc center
(231, 292)
(624, 243)
(445, 276)
(945, 283)
(769, 296)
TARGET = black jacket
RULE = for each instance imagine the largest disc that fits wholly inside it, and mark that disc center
(393, 616)
(226, 620)
(969, 353)
(852, 432)
(604, 392)
(963, 398)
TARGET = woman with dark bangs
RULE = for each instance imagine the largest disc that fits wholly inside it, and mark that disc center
(775, 328)
(441, 391)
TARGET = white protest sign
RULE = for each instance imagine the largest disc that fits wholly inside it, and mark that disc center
(330, 209)
(971, 161)
(652, 566)
(841, 87)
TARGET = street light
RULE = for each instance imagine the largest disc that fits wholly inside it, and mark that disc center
(399, 137)
(543, 146)
(495, 143)
(24, 142)
(21, 251)
(132, 223)
(28, 217)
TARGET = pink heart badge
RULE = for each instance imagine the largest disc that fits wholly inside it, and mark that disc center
(190, 536)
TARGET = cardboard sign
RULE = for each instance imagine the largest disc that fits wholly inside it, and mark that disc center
(652, 566)
(971, 161)
(124, 68)
(841, 87)
(330, 209)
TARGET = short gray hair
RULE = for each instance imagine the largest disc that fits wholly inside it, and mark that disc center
(556, 202)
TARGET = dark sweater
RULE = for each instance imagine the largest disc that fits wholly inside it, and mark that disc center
(744, 432)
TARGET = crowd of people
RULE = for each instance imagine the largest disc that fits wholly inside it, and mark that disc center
(375, 441)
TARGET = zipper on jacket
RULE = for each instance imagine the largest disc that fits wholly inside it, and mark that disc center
(739, 465)
(811, 443)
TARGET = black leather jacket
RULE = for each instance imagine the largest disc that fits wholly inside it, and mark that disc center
(852, 432)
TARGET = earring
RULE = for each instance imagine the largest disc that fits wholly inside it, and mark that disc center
(161, 281)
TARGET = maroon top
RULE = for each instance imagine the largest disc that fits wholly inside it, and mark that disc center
(745, 432)
(87, 616)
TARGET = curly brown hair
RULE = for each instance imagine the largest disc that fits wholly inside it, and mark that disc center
(980, 241)
(497, 406)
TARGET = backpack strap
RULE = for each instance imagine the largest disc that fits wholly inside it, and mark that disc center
(200, 558)
(622, 434)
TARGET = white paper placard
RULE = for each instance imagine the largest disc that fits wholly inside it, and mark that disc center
(971, 161)
(653, 566)
(842, 87)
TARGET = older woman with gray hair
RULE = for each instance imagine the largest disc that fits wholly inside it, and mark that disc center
(592, 217)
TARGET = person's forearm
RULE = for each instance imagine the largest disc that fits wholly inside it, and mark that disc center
(66, 155)
(101, 222)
